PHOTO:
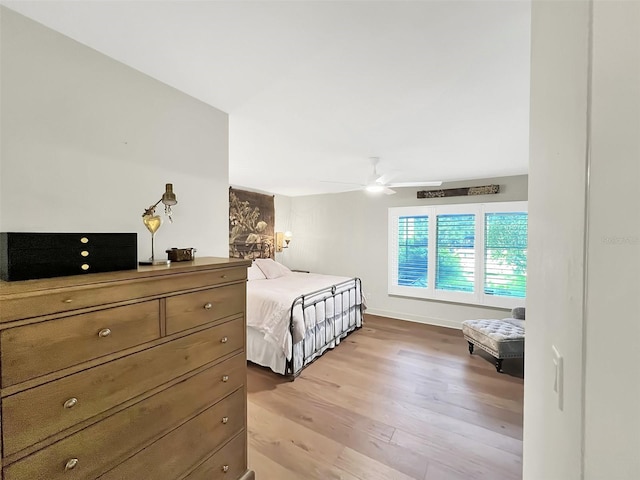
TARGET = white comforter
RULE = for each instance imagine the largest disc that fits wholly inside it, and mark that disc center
(269, 305)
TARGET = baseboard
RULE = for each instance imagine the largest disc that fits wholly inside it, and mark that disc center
(249, 475)
(439, 322)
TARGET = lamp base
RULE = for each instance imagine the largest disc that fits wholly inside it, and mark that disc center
(154, 262)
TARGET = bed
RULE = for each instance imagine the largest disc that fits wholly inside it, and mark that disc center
(294, 317)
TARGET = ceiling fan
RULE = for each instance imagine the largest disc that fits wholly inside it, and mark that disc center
(376, 182)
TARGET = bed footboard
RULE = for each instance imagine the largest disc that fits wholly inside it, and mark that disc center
(328, 316)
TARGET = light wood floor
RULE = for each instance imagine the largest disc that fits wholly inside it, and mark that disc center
(395, 401)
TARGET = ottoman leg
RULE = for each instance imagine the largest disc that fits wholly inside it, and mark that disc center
(470, 348)
(499, 364)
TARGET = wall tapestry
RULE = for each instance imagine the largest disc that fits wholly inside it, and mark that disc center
(251, 224)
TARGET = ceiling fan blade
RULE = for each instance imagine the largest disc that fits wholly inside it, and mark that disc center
(388, 191)
(383, 179)
(375, 178)
(414, 184)
(343, 183)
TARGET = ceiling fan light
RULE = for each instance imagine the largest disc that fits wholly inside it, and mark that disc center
(374, 188)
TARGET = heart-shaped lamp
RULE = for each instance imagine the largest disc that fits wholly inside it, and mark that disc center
(152, 222)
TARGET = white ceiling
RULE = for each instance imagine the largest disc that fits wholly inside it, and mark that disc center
(437, 90)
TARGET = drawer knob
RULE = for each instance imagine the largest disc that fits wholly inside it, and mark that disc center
(72, 402)
(207, 306)
(225, 468)
(105, 332)
(224, 340)
(67, 300)
(84, 253)
(223, 276)
(225, 378)
(71, 464)
(225, 420)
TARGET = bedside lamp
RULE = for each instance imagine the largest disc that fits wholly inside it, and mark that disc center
(153, 222)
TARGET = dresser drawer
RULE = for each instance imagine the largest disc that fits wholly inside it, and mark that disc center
(27, 255)
(187, 445)
(47, 302)
(46, 347)
(193, 309)
(228, 463)
(101, 446)
(35, 414)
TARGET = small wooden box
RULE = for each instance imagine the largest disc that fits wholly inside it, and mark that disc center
(181, 254)
(26, 256)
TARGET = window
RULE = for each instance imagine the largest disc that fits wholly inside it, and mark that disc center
(413, 250)
(479, 252)
(505, 254)
(455, 255)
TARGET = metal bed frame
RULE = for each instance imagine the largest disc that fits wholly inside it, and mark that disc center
(312, 300)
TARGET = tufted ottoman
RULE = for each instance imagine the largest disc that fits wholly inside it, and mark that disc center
(501, 338)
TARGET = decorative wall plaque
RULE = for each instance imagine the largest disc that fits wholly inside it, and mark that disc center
(459, 192)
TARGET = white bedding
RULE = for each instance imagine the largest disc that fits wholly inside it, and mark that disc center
(269, 304)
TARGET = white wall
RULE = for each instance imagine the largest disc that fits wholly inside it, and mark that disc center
(584, 247)
(88, 143)
(612, 321)
(346, 234)
(557, 176)
(283, 223)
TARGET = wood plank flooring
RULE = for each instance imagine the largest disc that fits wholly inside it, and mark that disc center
(395, 401)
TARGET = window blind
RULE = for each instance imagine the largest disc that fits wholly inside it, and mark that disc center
(455, 252)
(472, 253)
(413, 244)
(505, 254)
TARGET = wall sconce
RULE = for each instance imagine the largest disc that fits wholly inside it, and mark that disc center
(153, 221)
(282, 240)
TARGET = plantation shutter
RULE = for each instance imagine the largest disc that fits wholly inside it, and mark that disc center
(455, 252)
(505, 254)
(413, 244)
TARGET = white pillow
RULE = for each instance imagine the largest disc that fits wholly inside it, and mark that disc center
(271, 268)
(254, 273)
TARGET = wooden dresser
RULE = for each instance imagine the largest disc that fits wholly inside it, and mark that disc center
(137, 374)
